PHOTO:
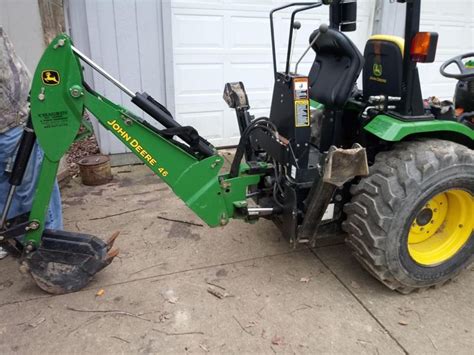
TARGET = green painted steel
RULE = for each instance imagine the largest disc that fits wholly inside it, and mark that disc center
(57, 105)
(316, 105)
(57, 98)
(196, 182)
(46, 179)
(393, 130)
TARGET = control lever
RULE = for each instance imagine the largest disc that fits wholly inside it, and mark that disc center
(323, 28)
(296, 27)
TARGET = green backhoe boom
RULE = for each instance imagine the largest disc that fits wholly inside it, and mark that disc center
(58, 100)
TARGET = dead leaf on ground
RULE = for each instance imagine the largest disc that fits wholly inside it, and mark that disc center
(164, 316)
(173, 300)
(355, 285)
(305, 279)
(203, 347)
(402, 322)
(216, 293)
(170, 297)
(251, 324)
(100, 293)
(277, 340)
(37, 322)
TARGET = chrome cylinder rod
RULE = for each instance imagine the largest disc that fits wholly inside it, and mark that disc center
(101, 71)
(8, 204)
(260, 211)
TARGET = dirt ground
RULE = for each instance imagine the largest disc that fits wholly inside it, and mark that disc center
(160, 294)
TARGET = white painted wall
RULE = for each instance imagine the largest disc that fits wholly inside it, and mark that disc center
(22, 22)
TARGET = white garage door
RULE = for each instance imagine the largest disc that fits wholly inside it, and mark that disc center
(219, 41)
(453, 20)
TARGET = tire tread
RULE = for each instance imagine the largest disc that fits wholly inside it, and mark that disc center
(375, 198)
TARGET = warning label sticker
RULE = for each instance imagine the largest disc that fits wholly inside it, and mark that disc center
(300, 88)
(301, 113)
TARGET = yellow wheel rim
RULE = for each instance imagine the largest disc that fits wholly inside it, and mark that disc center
(442, 227)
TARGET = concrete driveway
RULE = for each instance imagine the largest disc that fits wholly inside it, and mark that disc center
(180, 287)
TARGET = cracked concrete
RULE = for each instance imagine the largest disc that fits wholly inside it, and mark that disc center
(277, 300)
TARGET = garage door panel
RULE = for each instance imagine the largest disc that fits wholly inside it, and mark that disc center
(198, 78)
(209, 123)
(256, 76)
(244, 30)
(231, 133)
(198, 31)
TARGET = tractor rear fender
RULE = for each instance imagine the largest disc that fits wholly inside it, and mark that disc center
(392, 129)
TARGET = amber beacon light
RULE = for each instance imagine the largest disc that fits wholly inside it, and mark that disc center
(423, 47)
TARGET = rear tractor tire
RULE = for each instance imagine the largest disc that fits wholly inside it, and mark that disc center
(410, 222)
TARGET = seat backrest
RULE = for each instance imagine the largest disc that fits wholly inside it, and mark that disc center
(383, 67)
(335, 69)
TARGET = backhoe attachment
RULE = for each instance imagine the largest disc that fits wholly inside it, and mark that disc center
(61, 262)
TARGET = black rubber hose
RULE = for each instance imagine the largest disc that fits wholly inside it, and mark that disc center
(234, 168)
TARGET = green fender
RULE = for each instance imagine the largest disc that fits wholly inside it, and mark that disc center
(393, 130)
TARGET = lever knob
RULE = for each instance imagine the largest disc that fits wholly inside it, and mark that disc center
(323, 28)
(296, 25)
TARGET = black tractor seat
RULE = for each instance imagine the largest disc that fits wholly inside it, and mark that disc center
(336, 68)
(383, 66)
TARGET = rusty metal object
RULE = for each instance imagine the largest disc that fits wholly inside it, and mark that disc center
(95, 170)
(343, 165)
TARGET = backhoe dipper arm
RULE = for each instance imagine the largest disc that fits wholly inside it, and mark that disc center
(58, 100)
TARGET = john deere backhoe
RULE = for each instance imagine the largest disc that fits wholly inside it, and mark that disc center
(395, 171)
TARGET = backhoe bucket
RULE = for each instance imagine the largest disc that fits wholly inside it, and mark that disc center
(66, 262)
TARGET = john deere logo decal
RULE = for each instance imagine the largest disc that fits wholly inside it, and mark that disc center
(377, 69)
(50, 77)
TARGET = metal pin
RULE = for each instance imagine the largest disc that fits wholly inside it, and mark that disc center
(41, 96)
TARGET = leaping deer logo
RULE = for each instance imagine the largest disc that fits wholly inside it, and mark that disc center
(50, 77)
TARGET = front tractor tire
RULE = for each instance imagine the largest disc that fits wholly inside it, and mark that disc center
(410, 222)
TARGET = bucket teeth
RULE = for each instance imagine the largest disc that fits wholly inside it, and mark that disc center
(110, 242)
(111, 254)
